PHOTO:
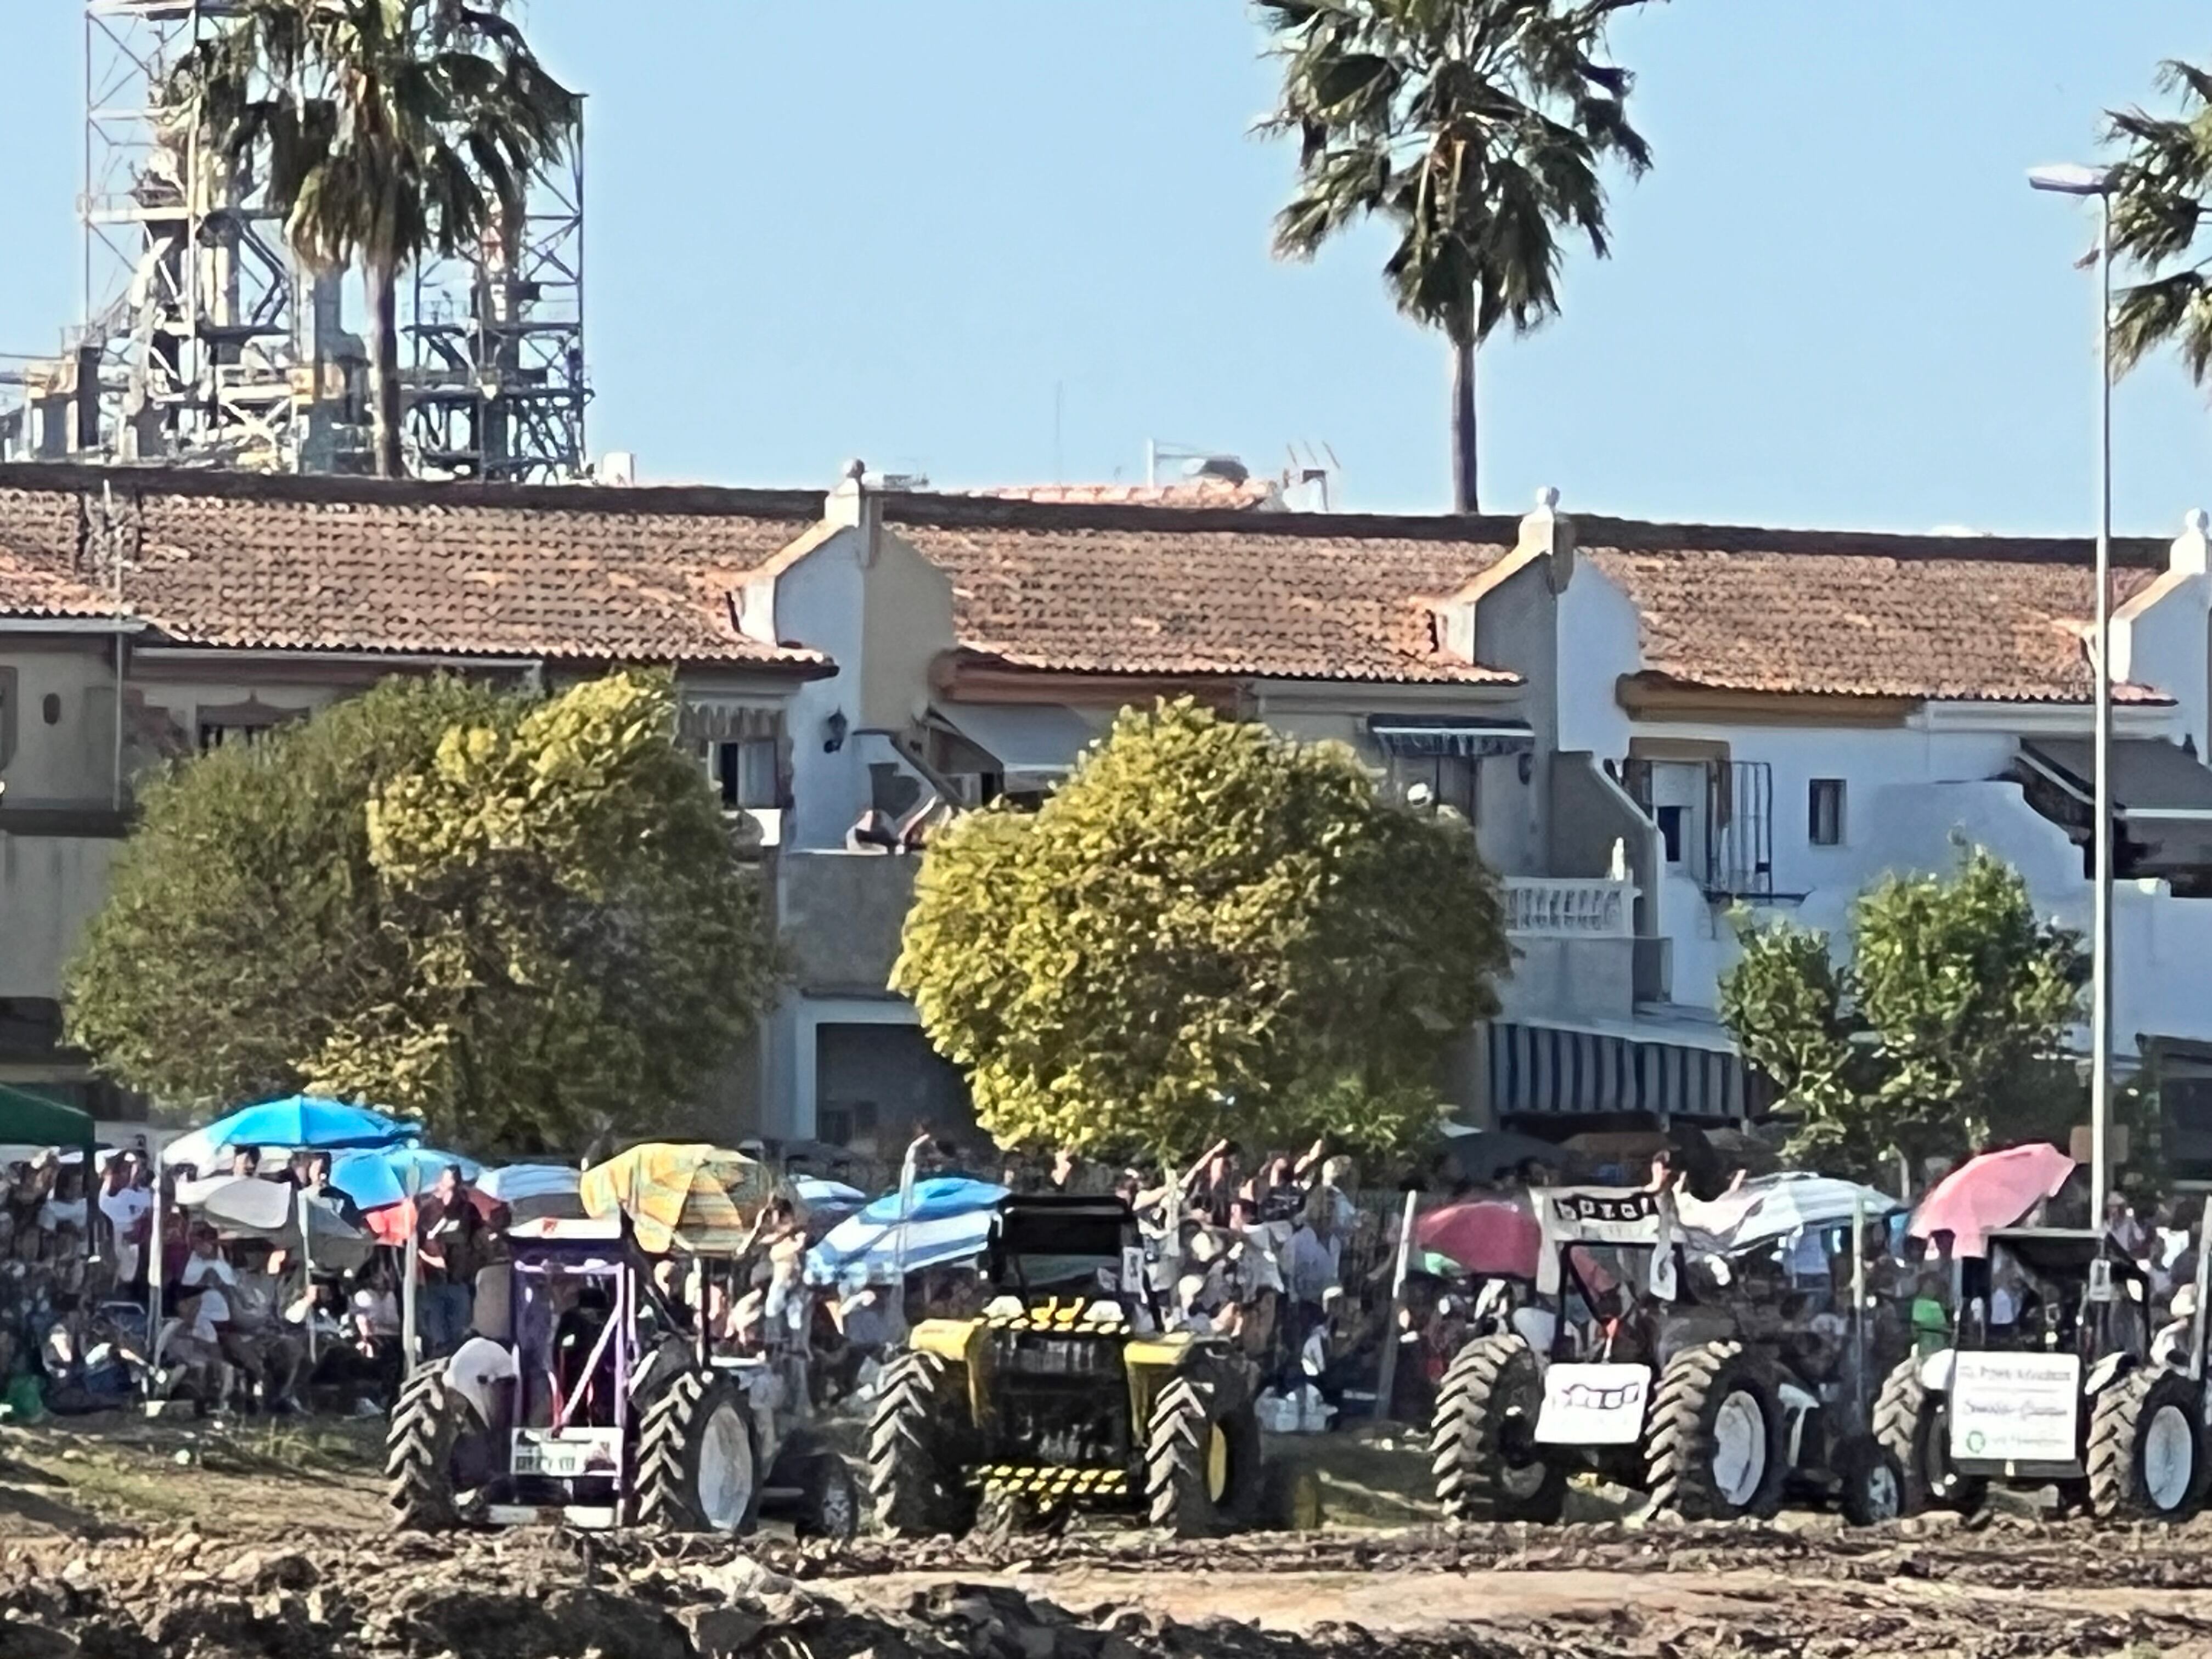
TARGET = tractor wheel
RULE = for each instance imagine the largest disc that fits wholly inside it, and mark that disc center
(695, 1468)
(1290, 1497)
(1913, 1426)
(1870, 1482)
(916, 1471)
(1716, 1446)
(429, 1422)
(2146, 1454)
(1202, 1469)
(1482, 1441)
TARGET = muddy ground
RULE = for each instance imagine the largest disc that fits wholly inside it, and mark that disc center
(130, 1541)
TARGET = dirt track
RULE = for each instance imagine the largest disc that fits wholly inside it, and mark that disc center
(283, 1556)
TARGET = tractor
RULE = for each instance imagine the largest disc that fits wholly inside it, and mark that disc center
(1661, 1371)
(1065, 1394)
(599, 1409)
(2077, 1391)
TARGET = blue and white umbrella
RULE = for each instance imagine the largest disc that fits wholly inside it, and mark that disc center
(299, 1121)
(949, 1222)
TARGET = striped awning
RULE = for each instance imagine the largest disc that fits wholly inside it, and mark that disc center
(1557, 1071)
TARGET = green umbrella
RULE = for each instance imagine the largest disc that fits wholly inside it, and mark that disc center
(29, 1120)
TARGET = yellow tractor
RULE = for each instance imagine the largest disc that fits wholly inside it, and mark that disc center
(1065, 1394)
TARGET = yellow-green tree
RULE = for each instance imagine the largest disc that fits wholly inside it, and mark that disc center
(520, 920)
(1208, 930)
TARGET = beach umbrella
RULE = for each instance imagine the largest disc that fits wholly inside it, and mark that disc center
(244, 1207)
(376, 1177)
(694, 1195)
(938, 1195)
(1771, 1206)
(1487, 1237)
(857, 1249)
(296, 1122)
(1986, 1193)
(532, 1190)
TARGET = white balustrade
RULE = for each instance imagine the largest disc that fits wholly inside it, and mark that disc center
(1570, 907)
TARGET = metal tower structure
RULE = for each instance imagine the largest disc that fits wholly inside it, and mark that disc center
(202, 341)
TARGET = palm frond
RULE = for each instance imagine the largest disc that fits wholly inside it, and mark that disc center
(2161, 196)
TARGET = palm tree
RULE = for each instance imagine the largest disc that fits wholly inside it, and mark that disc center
(389, 130)
(1476, 129)
(2161, 197)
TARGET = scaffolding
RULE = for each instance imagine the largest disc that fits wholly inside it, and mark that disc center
(202, 341)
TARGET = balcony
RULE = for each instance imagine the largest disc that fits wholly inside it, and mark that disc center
(1571, 908)
(1574, 948)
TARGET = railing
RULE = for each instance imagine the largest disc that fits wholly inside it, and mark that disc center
(1573, 907)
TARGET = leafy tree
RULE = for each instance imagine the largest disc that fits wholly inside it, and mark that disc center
(520, 920)
(2161, 196)
(390, 130)
(1208, 929)
(1477, 130)
(1948, 1026)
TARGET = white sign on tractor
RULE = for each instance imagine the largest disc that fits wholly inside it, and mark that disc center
(2015, 1408)
(1593, 1405)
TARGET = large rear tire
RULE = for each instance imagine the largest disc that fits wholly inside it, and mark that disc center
(917, 1449)
(1716, 1444)
(1482, 1441)
(2146, 1449)
(1913, 1423)
(697, 1468)
(1202, 1463)
(429, 1422)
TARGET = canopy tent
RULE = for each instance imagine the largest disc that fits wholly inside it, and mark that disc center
(32, 1119)
(693, 1196)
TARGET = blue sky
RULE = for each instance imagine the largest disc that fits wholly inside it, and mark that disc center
(906, 233)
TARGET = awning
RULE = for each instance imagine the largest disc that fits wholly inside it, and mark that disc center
(1434, 735)
(1032, 740)
(2150, 778)
(32, 1119)
(1544, 1070)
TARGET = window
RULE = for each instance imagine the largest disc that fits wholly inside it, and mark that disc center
(744, 773)
(1442, 780)
(215, 734)
(1825, 811)
(1671, 821)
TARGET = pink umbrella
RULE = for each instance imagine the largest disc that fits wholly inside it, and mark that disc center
(1487, 1237)
(1992, 1191)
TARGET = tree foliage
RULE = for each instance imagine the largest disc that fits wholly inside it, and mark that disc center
(1946, 1028)
(389, 130)
(2162, 194)
(520, 920)
(1477, 130)
(1208, 929)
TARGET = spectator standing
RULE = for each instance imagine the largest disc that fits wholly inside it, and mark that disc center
(128, 1208)
(315, 1181)
(447, 1229)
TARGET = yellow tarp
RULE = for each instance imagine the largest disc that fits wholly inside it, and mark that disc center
(701, 1197)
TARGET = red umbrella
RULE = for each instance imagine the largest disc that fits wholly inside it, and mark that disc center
(392, 1222)
(1488, 1237)
(1992, 1191)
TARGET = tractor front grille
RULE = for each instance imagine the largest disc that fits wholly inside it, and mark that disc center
(1032, 1353)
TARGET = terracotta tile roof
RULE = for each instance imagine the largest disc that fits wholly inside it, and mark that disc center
(230, 559)
(1184, 492)
(1146, 590)
(1971, 617)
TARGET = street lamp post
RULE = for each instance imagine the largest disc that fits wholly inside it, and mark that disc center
(2075, 180)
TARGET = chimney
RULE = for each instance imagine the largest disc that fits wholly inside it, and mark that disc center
(853, 506)
(1549, 531)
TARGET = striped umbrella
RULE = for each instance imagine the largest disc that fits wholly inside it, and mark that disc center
(698, 1196)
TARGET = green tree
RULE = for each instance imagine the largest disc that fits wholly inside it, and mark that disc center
(1947, 1027)
(1208, 929)
(389, 130)
(2161, 196)
(520, 920)
(1477, 130)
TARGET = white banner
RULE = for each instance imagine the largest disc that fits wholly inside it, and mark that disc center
(1606, 1215)
(2016, 1407)
(1593, 1405)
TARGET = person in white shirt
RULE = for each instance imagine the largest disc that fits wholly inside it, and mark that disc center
(126, 1204)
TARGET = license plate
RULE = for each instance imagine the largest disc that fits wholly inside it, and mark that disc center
(563, 1460)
